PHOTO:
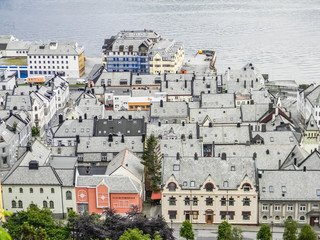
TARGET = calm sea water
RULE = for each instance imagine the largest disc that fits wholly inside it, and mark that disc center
(281, 38)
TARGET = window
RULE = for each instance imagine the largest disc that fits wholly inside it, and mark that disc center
(265, 207)
(172, 187)
(277, 218)
(192, 183)
(20, 204)
(284, 189)
(176, 167)
(14, 204)
(246, 215)
(51, 204)
(209, 201)
(277, 207)
(246, 202)
(223, 201)
(172, 214)
(290, 208)
(21, 190)
(315, 206)
(187, 201)
(223, 215)
(209, 187)
(41, 190)
(318, 192)
(302, 218)
(246, 187)
(195, 201)
(68, 195)
(172, 201)
(10, 190)
(233, 168)
(289, 217)
(264, 218)
(31, 190)
(45, 204)
(302, 207)
(195, 215)
(52, 190)
(231, 201)
(231, 215)
(271, 189)
(225, 184)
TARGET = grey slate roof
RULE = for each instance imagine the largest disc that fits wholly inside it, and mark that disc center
(169, 110)
(66, 176)
(22, 175)
(116, 184)
(21, 102)
(199, 170)
(294, 181)
(169, 131)
(126, 127)
(186, 148)
(217, 100)
(225, 134)
(215, 115)
(70, 48)
(64, 162)
(254, 112)
(125, 114)
(311, 124)
(129, 161)
(39, 153)
(71, 128)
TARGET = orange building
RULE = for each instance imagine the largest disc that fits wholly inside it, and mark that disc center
(95, 193)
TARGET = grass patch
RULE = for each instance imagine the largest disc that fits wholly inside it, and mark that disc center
(14, 61)
(77, 85)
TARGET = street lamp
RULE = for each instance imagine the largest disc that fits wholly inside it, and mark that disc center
(272, 229)
(171, 223)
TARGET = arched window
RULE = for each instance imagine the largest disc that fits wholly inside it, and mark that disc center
(172, 187)
(264, 218)
(246, 187)
(289, 217)
(10, 190)
(51, 204)
(45, 204)
(277, 218)
(21, 190)
(14, 204)
(302, 218)
(52, 190)
(209, 187)
(20, 204)
(68, 195)
(31, 190)
(41, 190)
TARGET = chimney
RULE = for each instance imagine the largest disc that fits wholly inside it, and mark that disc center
(122, 138)
(10, 113)
(33, 165)
(167, 84)
(143, 138)
(245, 84)
(161, 103)
(223, 156)
(110, 139)
(159, 124)
(183, 124)
(80, 118)
(130, 117)
(60, 118)
(85, 116)
(195, 156)
(270, 107)
(38, 87)
(77, 138)
(204, 78)
(210, 124)
(304, 168)
(110, 117)
(295, 161)
(238, 125)
(252, 83)
(279, 164)
(185, 84)
(178, 156)
(92, 90)
(29, 147)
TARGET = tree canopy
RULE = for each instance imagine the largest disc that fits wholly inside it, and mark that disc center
(307, 233)
(290, 230)
(264, 233)
(186, 230)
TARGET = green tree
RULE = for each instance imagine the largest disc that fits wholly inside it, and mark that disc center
(136, 234)
(290, 230)
(307, 233)
(186, 230)
(37, 223)
(35, 131)
(152, 162)
(236, 233)
(224, 231)
(264, 233)
(14, 127)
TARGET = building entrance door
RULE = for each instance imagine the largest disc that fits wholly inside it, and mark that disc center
(314, 221)
(187, 216)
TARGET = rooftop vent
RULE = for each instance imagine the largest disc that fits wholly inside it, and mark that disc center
(33, 164)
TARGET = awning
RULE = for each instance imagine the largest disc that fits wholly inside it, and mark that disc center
(156, 195)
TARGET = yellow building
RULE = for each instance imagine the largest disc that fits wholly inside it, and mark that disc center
(310, 139)
(166, 56)
(209, 190)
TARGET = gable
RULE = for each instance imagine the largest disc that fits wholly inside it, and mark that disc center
(103, 198)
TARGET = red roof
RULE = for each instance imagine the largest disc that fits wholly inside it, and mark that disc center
(156, 195)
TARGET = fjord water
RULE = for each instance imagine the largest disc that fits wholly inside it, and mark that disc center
(281, 38)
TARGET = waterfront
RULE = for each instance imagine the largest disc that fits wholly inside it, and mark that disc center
(281, 38)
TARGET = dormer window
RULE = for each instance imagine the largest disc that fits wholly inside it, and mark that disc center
(246, 187)
(172, 187)
(209, 187)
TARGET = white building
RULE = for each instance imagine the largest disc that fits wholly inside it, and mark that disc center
(64, 58)
(7, 80)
